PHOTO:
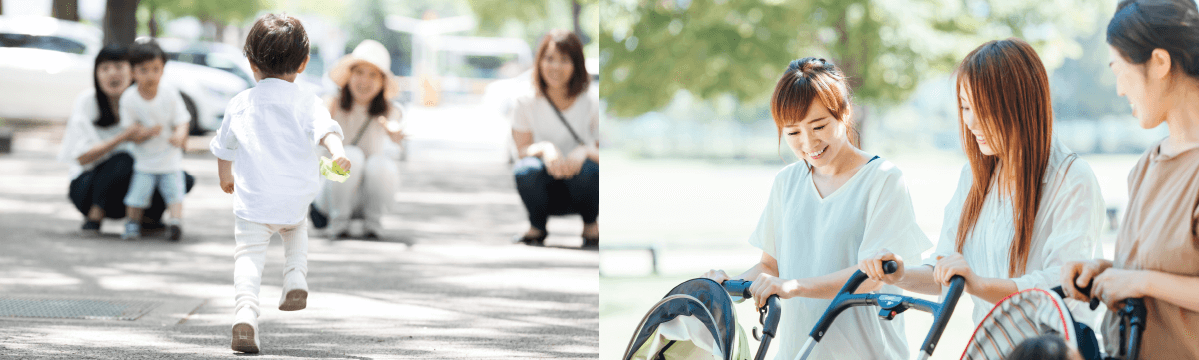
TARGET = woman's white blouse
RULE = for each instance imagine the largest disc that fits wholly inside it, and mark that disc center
(811, 236)
(1066, 228)
(534, 114)
(82, 134)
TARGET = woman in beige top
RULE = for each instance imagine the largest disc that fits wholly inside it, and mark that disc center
(371, 123)
(1155, 57)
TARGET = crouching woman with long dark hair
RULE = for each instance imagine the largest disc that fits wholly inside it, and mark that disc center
(95, 147)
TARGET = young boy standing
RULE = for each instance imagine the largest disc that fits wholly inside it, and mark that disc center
(158, 161)
(268, 160)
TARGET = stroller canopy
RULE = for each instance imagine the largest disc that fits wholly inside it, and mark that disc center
(695, 320)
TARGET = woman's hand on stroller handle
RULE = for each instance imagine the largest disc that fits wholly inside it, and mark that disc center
(1114, 286)
(876, 267)
(765, 285)
(716, 275)
(1077, 278)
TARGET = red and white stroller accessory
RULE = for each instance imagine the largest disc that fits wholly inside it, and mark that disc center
(1034, 312)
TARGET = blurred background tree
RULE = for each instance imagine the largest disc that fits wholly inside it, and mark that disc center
(739, 48)
(531, 19)
(65, 9)
(215, 13)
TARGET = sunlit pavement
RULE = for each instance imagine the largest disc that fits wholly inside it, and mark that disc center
(444, 282)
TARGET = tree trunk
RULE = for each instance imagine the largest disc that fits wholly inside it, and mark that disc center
(120, 22)
(575, 8)
(153, 25)
(1, 7)
(66, 10)
(220, 32)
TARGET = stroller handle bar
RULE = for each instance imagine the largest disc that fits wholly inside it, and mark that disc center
(1133, 312)
(891, 305)
(768, 315)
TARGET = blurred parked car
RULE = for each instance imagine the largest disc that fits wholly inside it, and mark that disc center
(45, 63)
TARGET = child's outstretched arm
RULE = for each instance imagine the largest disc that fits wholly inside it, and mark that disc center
(332, 142)
(224, 170)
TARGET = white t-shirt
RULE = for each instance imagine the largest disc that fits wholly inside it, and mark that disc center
(1066, 228)
(271, 133)
(82, 134)
(533, 113)
(156, 155)
(810, 236)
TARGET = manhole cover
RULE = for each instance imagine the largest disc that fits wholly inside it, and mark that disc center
(94, 309)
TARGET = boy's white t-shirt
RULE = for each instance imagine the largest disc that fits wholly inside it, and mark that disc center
(811, 236)
(1067, 228)
(271, 133)
(156, 155)
(533, 113)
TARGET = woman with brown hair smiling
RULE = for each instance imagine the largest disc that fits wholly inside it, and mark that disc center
(556, 131)
(824, 215)
(1025, 204)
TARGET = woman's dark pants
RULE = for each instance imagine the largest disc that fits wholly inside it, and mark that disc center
(544, 196)
(106, 184)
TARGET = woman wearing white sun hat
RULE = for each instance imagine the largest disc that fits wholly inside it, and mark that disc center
(364, 110)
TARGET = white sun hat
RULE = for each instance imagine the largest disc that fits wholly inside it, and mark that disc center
(367, 52)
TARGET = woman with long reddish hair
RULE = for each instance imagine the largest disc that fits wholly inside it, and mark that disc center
(824, 215)
(1025, 204)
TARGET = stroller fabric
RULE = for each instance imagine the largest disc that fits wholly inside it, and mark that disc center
(695, 320)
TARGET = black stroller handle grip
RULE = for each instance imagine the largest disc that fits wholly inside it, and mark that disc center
(859, 277)
(738, 288)
(1094, 304)
(941, 314)
(1134, 311)
(770, 322)
(769, 315)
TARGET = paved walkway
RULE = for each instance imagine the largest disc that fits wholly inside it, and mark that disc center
(444, 283)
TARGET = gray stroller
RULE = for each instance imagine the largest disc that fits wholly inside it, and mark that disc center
(696, 320)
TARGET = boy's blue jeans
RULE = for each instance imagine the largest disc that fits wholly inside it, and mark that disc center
(544, 196)
(142, 186)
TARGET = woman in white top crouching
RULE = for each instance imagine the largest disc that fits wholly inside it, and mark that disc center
(826, 214)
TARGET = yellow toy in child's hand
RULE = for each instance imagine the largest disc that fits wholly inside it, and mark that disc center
(332, 171)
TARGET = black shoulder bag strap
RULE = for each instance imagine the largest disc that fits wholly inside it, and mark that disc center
(563, 118)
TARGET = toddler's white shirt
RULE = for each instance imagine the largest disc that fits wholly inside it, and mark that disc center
(156, 155)
(271, 133)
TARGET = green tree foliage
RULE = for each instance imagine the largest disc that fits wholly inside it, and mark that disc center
(368, 20)
(652, 49)
(215, 11)
(536, 17)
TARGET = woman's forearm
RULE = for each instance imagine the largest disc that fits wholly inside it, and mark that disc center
(753, 272)
(827, 286)
(919, 279)
(103, 148)
(991, 289)
(1179, 290)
